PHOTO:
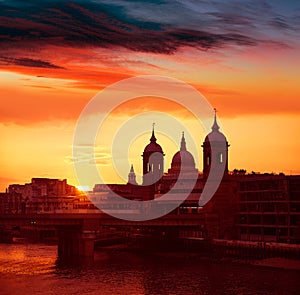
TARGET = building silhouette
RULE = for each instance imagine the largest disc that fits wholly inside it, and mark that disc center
(153, 161)
(252, 207)
(42, 195)
(215, 139)
(249, 207)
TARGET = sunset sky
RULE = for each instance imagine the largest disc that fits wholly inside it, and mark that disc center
(55, 56)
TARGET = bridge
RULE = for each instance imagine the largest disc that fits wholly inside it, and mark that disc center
(78, 231)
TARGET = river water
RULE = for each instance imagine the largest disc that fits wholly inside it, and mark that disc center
(33, 269)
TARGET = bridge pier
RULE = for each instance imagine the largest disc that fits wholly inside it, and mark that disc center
(74, 243)
(86, 244)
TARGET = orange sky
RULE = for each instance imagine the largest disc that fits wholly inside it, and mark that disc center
(255, 88)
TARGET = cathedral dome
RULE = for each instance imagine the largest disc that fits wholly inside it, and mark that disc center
(183, 158)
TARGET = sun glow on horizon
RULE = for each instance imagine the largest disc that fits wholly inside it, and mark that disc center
(249, 71)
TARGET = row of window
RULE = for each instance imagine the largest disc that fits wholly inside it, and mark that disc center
(292, 220)
(262, 196)
(220, 159)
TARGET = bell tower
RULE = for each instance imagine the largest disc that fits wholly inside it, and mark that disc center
(215, 150)
(153, 161)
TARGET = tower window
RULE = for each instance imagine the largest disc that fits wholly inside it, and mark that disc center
(221, 158)
(208, 160)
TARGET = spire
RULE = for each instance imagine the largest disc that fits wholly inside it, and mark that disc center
(215, 126)
(132, 176)
(183, 144)
(153, 138)
(131, 169)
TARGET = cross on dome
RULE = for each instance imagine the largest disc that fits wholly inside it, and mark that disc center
(215, 126)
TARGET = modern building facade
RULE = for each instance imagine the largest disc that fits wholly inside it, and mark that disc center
(269, 208)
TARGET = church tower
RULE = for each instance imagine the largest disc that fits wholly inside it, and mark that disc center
(153, 161)
(132, 176)
(216, 140)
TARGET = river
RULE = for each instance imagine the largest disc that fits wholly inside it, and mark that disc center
(33, 269)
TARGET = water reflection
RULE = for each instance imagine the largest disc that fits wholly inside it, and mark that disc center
(28, 269)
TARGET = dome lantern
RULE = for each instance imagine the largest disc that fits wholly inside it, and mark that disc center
(183, 159)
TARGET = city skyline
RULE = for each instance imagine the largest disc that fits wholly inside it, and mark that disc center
(246, 64)
(199, 165)
(149, 147)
